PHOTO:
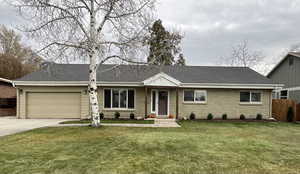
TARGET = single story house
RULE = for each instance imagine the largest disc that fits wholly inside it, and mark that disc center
(7, 98)
(287, 72)
(60, 91)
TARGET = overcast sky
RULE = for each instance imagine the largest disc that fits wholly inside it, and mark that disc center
(212, 27)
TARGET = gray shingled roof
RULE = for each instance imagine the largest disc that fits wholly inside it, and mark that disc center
(134, 73)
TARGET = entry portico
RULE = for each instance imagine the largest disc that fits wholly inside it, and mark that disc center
(159, 86)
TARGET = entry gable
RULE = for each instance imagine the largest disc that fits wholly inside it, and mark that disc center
(161, 79)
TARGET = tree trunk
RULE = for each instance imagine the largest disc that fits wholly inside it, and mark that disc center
(93, 93)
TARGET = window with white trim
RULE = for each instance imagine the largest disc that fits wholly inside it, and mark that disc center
(195, 96)
(284, 94)
(119, 98)
(250, 97)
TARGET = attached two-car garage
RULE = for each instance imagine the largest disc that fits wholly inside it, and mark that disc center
(53, 105)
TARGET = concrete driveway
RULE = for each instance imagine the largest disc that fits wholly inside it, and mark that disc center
(11, 125)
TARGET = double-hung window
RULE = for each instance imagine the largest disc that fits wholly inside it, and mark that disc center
(119, 98)
(195, 96)
(252, 97)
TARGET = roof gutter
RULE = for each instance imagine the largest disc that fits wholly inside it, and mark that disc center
(141, 84)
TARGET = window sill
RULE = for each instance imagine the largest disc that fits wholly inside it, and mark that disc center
(195, 103)
(252, 104)
(118, 109)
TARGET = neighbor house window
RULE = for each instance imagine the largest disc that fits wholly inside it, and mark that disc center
(250, 97)
(284, 94)
(276, 95)
(195, 96)
(119, 98)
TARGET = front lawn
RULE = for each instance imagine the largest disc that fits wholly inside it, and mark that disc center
(116, 121)
(196, 147)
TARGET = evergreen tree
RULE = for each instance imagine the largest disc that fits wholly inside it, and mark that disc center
(163, 45)
(181, 60)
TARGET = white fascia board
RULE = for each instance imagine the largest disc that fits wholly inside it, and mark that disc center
(49, 83)
(141, 84)
(5, 80)
(231, 86)
(73, 83)
(133, 84)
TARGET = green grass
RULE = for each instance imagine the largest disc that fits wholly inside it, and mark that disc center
(196, 147)
(110, 121)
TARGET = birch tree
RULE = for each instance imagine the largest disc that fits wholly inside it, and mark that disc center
(92, 30)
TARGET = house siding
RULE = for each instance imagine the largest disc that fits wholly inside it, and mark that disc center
(286, 74)
(289, 76)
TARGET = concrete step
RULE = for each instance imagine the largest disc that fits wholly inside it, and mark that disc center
(165, 121)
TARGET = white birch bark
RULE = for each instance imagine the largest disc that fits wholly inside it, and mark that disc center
(93, 92)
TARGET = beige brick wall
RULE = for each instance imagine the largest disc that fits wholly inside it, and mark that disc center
(220, 101)
(139, 104)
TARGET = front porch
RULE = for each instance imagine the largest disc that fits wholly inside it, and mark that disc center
(162, 96)
(161, 102)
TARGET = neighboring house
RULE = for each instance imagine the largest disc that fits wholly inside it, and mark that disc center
(7, 98)
(287, 72)
(60, 91)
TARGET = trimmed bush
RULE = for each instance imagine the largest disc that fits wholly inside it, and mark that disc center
(290, 115)
(242, 117)
(117, 115)
(259, 117)
(210, 116)
(131, 116)
(101, 116)
(224, 116)
(192, 116)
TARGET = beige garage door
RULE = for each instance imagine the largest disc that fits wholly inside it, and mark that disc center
(53, 105)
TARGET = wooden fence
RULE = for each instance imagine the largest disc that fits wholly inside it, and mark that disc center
(280, 109)
(298, 112)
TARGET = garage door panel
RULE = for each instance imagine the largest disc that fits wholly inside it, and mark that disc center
(53, 105)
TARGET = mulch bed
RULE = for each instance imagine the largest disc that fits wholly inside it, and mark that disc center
(234, 120)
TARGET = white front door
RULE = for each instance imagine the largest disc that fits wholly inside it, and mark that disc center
(160, 102)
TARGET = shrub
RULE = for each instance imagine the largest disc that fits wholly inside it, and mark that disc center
(290, 115)
(117, 115)
(224, 116)
(131, 116)
(242, 117)
(101, 116)
(210, 116)
(192, 116)
(259, 117)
